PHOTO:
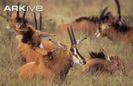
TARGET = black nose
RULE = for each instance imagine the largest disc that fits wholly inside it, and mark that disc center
(84, 62)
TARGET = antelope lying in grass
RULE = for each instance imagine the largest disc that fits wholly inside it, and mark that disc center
(29, 37)
(86, 25)
(30, 42)
(55, 65)
(115, 29)
(100, 62)
(14, 20)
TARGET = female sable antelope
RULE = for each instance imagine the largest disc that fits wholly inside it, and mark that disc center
(54, 66)
(102, 63)
(14, 20)
(115, 29)
(30, 42)
(86, 25)
(28, 37)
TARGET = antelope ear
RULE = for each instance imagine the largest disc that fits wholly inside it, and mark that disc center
(60, 45)
(106, 55)
(81, 40)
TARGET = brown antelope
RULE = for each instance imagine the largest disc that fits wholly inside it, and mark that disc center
(29, 37)
(14, 20)
(86, 25)
(57, 67)
(102, 63)
(115, 29)
(30, 42)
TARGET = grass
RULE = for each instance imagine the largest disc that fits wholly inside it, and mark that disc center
(10, 60)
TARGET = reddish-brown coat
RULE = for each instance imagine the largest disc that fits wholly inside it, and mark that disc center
(94, 65)
(51, 69)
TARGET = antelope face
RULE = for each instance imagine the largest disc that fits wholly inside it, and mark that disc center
(102, 29)
(15, 21)
(77, 57)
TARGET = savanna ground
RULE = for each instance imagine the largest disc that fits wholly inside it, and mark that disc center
(63, 11)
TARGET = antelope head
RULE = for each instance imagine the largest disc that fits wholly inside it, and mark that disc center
(77, 57)
(15, 21)
(108, 21)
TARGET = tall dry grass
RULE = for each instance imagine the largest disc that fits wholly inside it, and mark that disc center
(55, 13)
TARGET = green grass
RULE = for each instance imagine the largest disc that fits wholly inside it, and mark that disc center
(10, 60)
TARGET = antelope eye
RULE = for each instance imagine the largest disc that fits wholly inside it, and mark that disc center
(71, 50)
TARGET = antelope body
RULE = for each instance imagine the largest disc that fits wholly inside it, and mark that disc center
(97, 63)
(54, 69)
(115, 28)
(54, 65)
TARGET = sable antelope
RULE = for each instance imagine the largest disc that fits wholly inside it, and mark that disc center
(15, 21)
(23, 35)
(58, 66)
(98, 63)
(28, 36)
(30, 42)
(86, 25)
(115, 29)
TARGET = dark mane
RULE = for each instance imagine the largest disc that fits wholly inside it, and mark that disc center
(121, 28)
(92, 18)
(100, 55)
(27, 36)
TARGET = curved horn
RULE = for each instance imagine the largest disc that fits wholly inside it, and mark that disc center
(70, 36)
(40, 21)
(81, 40)
(103, 12)
(35, 20)
(18, 11)
(73, 36)
(118, 9)
(24, 12)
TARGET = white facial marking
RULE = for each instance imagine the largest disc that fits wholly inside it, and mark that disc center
(107, 57)
(8, 27)
(41, 45)
(76, 58)
(75, 51)
(98, 35)
(97, 32)
(17, 25)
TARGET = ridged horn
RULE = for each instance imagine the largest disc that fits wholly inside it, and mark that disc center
(73, 36)
(40, 21)
(18, 11)
(35, 20)
(118, 9)
(24, 12)
(70, 36)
